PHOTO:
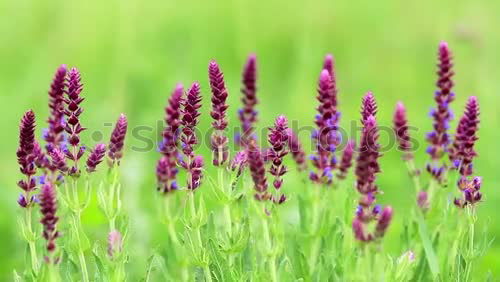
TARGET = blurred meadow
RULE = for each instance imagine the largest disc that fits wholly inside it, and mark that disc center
(132, 53)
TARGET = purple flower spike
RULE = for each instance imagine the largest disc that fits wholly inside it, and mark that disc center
(400, 126)
(73, 111)
(54, 135)
(258, 171)
(25, 156)
(439, 139)
(190, 114)
(383, 222)
(278, 138)
(195, 173)
(166, 168)
(219, 95)
(368, 106)
(117, 140)
(462, 152)
(325, 137)
(48, 208)
(470, 192)
(96, 156)
(367, 162)
(346, 161)
(248, 114)
(296, 149)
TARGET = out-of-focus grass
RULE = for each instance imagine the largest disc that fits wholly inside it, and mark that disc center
(131, 53)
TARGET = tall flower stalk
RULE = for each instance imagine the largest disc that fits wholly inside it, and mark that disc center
(439, 138)
(248, 114)
(26, 161)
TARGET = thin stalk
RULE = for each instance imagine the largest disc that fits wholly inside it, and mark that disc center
(31, 242)
(471, 213)
(226, 210)
(317, 205)
(268, 244)
(169, 221)
(206, 268)
(83, 265)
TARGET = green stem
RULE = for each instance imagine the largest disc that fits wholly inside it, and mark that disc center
(83, 265)
(170, 221)
(206, 268)
(31, 242)
(317, 203)
(470, 256)
(268, 246)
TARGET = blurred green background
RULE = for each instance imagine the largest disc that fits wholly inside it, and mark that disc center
(131, 54)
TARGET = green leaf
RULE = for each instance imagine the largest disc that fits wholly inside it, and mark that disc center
(428, 246)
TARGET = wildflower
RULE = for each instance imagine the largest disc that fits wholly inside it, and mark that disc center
(325, 137)
(367, 162)
(462, 150)
(368, 106)
(346, 161)
(439, 138)
(296, 149)
(193, 164)
(54, 135)
(96, 156)
(258, 171)
(219, 140)
(190, 114)
(25, 156)
(114, 243)
(117, 139)
(470, 192)
(166, 168)
(278, 138)
(248, 114)
(73, 111)
(48, 204)
(400, 126)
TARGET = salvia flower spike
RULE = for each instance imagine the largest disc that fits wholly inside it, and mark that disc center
(296, 150)
(73, 111)
(96, 156)
(219, 95)
(54, 135)
(400, 126)
(367, 165)
(325, 136)
(278, 139)
(48, 208)
(116, 142)
(25, 156)
(462, 150)
(166, 168)
(439, 139)
(258, 171)
(248, 114)
(190, 115)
